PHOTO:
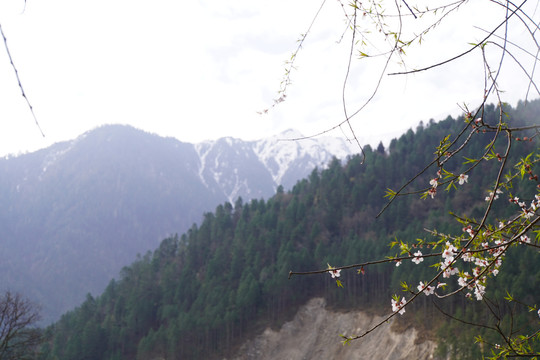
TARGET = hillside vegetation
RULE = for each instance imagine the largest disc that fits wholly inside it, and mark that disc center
(75, 213)
(202, 293)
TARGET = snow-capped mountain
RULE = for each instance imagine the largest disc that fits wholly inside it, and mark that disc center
(73, 214)
(254, 169)
(289, 160)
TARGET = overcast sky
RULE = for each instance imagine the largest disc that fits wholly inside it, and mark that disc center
(200, 70)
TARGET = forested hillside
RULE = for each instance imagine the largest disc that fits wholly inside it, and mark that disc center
(73, 214)
(200, 294)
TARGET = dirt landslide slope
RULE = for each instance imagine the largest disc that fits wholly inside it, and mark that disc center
(313, 334)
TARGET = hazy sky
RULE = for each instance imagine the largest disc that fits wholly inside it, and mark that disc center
(200, 70)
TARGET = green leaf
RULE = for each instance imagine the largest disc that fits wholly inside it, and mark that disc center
(450, 186)
(346, 340)
(469, 161)
(390, 193)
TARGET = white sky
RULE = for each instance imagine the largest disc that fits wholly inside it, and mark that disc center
(200, 70)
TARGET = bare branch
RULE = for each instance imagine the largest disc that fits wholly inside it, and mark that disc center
(19, 81)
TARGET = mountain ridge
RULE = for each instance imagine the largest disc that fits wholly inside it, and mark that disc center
(76, 212)
(281, 155)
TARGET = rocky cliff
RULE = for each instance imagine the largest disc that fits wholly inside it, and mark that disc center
(314, 334)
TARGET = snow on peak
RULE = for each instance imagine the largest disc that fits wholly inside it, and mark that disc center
(280, 151)
(290, 134)
(285, 158)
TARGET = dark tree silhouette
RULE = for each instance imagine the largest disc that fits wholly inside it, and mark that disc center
(18, 337)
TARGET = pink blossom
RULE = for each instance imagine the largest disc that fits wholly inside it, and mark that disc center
(399, 306)
(447, 269)
(467, 257)
(527, 214)
(449, 252)
(481, 262)
(450, 271)
(447, 262)
(493, 196)
(463, 179)
(418, 259)
(334, 273)
(479, 291)
(432, 192)
(500, 250)
(428, 290)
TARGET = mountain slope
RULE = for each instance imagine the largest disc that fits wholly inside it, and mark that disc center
(73, 214)
(78, 211)
(202, 294)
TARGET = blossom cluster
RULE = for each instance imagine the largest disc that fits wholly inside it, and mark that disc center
(476, 281)
(462, 179)
(487, 256)
(527, 212)
(493, 195)
(427, 289)
(448, 256)
(482, 265)
(399, 306)
(475, 262)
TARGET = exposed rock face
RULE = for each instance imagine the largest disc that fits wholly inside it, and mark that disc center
(313, 334)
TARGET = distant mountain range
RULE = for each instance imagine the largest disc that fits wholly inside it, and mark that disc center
(73, 214)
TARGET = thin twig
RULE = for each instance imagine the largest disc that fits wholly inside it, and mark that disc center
(408, 7)
(463, 53)
(19, 81)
